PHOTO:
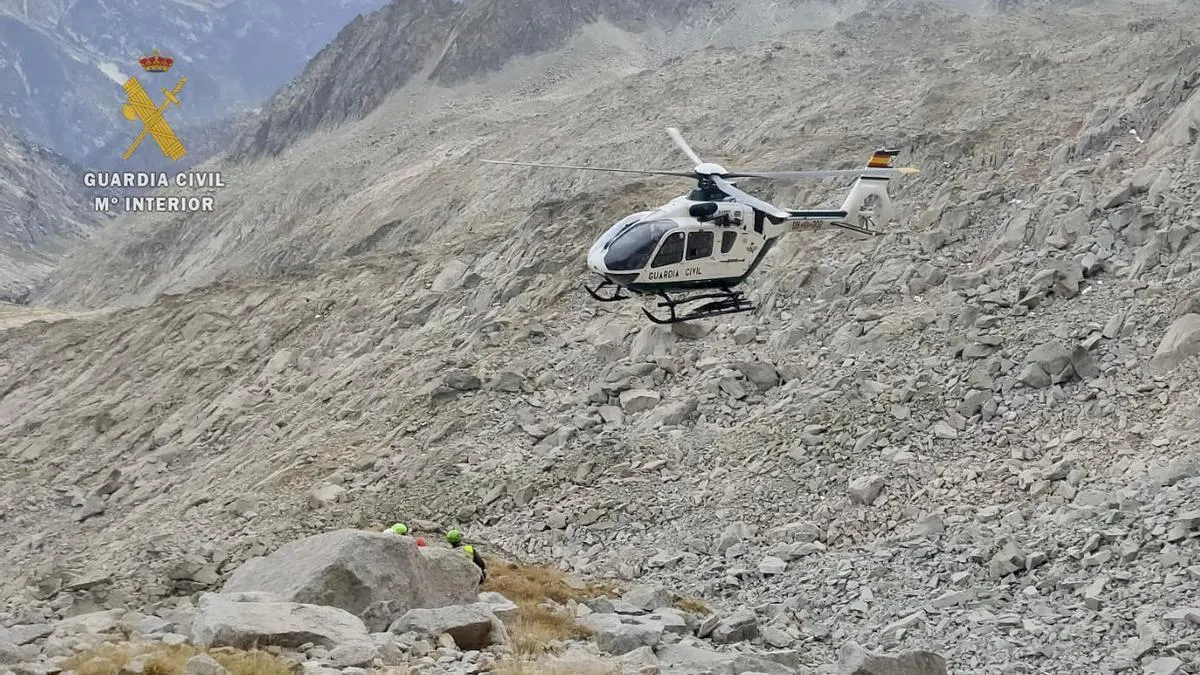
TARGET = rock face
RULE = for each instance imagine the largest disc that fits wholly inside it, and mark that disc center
(44, 211)
(473, 626)
(461, 40)
(224, 621)
(373, 576)
(69, 60)
(1181, 341)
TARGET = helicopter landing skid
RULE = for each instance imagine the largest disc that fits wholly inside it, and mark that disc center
(722, 303)
(615, 296)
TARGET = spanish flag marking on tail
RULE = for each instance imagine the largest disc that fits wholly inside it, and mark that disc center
(882, 159)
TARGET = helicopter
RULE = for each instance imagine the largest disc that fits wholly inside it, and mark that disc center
(702, 245)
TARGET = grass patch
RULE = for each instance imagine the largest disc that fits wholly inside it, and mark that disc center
(538, 624)
(692, 606)
(537, 583)
(544, 667)
(110, 659)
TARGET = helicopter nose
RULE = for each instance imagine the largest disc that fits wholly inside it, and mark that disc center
(595, 259)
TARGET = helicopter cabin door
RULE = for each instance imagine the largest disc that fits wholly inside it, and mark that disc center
(686, 255)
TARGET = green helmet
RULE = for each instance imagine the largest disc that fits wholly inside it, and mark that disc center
(454, 537)
(399, 528)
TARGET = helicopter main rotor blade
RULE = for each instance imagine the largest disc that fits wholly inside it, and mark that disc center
(685, 174)
(822, 173)
(687, 149)
(729, 189)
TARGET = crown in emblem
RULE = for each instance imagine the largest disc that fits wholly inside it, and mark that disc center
(156, 63)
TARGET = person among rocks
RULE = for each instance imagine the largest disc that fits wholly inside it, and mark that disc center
(455, 538)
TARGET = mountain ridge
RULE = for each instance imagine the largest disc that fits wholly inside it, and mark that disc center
(44, 212)
(69, 60)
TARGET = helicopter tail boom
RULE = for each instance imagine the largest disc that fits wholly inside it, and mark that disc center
(857, 211)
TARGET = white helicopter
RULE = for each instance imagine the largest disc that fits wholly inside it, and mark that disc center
(702, 245)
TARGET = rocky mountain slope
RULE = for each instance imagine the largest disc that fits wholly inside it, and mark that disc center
(444, 42)
(63, 63)
(447, 41)
(276, 214)
(44, 210)
(977, 434)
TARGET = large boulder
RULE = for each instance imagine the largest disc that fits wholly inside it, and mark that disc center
(1053, 363)
(374, 576)
(228, 621)
(473, 626)
(1181, 341)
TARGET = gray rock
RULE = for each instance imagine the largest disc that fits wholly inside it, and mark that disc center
(502, 607)
(634, 401)
(374, 576)
(1177, 617)
(1009, 559)
(353, 654)
(93, 623)
(1164, 665)
(24, 634)
(461, 380)
(671, 620)
(12, 654)
(203, 664)
(763, 375)
(1181, 341)
(740, 626)
(693, 330)
(647, 597)
(672, 413)
(854, 660)
(506, 381)
(690, 659)
(221, 621)
(1052, 359)
(771, 565)
(865, 489)
(614, 636)
(473, 626)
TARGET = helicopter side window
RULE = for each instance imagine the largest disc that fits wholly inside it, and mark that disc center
(699, 244)
(671, 251)
(727, 240)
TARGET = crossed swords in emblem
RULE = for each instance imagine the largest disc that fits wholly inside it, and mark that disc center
(141, 107)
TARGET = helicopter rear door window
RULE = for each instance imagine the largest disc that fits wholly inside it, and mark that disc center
(727, 241)
(671, 251)
(699, 244)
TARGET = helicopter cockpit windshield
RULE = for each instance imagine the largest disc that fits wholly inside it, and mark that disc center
(632, 249)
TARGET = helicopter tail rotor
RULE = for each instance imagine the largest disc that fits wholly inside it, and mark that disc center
(872, 189)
